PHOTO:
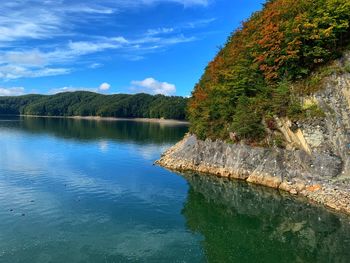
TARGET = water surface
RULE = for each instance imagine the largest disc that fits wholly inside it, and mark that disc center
(87, 191)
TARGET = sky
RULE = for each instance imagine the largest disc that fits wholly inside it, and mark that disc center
(113, 46)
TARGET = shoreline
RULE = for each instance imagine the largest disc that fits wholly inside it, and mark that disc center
(316, 190)
(98, 118)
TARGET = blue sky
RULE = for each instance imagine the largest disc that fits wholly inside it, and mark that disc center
(112, 46)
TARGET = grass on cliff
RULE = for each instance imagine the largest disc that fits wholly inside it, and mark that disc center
(347, 67)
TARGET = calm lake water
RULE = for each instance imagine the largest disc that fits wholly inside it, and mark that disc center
(86, 191)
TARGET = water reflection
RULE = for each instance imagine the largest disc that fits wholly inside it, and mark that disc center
(241, 223)
(90, 193)
(85, 191)
(127, 131)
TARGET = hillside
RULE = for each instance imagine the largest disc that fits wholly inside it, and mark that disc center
(279, 55)
(314, 161)
(273, 107)
(83, 103)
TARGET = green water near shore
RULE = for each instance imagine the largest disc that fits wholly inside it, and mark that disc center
(87, 191)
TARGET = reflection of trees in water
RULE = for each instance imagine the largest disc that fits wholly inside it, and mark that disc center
(140, 132)
(241, 223)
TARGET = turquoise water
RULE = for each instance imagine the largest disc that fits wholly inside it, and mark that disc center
(87, 191)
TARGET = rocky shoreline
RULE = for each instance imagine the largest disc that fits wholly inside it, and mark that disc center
(315, 162)
(295, 172)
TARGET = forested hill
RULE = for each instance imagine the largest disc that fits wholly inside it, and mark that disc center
(279, 55)
(83, 103)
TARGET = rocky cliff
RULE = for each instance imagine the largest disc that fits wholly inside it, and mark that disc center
(315, 163)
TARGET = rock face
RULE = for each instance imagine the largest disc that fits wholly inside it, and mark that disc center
(332, 134)
(314, 176)
(318, 167)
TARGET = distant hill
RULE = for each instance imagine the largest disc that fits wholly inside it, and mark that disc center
(272, 60)
(83, 103)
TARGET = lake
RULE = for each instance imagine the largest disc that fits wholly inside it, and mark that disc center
(87, 191)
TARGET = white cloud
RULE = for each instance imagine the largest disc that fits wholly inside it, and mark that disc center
(199, 23)
(38, 19)
(45, 72)
(105, 86)
(38, 63)
(152, 86)
(194, 2)
(76, 49)
(61, 20)
(71, 89)
(161, 41)
(159, 31)
(120, 40)
(15, 91)
(100, 89)
(29, 58)
(95, 65)
(16, 26)
(185, 3)
(88, 47)
(9, 72)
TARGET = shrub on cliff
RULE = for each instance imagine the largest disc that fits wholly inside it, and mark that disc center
(283, 43)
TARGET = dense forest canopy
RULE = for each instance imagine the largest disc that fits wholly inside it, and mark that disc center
(253, 78)
(83, 103)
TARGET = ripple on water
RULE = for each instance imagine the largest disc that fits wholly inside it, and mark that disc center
(75, 191)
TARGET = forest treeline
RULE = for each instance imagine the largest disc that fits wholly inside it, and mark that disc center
(280, 54)
(83, 103)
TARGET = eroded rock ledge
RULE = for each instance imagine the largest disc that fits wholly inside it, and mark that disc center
(297, 172)
(315, 162)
